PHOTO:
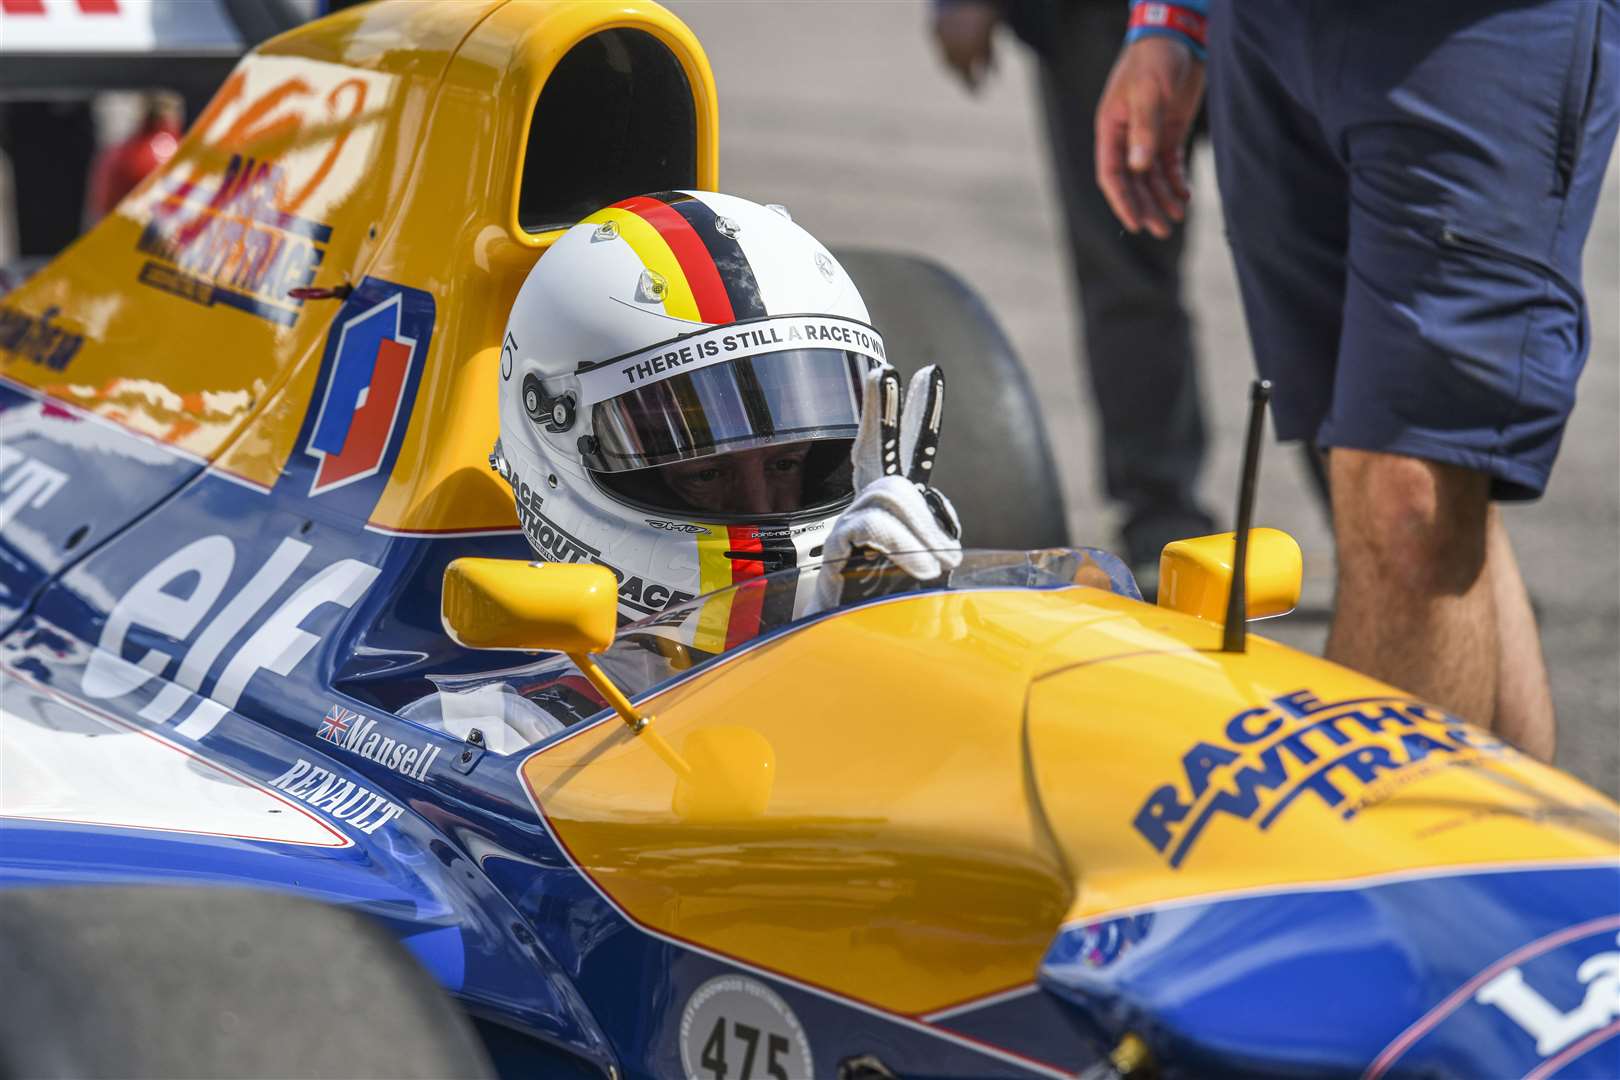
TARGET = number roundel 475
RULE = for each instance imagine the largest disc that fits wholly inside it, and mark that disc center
(736, 1028)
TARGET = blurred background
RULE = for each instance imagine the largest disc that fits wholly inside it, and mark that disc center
(844, 111)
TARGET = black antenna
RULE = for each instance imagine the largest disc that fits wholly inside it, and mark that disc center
(1235, 633)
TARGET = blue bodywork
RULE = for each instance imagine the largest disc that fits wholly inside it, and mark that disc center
(239, 630)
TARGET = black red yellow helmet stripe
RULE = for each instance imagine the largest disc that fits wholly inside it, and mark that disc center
(677, 236)
(740, 555)
(730, 261)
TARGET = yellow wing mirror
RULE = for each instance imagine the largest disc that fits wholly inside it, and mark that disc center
(511, 604)
(560, 607)
(727, 772)
(1195, 575)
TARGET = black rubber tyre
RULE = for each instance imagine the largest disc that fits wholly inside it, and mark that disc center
(160, 981)
(994, 460)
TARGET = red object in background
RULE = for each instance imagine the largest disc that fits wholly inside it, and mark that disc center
(37, 7)
(119, 168)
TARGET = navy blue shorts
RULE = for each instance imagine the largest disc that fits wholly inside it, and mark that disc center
(1407, 186)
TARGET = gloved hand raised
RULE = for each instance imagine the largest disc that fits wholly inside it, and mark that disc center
(895, 513)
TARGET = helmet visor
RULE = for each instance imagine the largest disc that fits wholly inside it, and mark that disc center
(789, 396)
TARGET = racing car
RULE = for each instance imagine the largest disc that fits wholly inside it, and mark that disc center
(259, 814)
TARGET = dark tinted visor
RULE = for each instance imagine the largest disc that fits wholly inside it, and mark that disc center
(791, 396)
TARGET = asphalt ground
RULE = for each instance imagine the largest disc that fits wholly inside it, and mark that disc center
(843, 112)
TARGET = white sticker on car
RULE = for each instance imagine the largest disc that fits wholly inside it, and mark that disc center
(737, 1028)
(1551, 1027)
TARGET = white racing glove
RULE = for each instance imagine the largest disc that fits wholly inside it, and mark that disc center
(895, 515)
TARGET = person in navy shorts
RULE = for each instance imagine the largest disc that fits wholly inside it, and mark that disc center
(1407, 190)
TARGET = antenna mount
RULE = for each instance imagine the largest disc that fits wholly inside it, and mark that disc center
(1234, 634)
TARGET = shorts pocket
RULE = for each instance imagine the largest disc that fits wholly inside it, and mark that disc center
(1451, 237)
(1518, 333)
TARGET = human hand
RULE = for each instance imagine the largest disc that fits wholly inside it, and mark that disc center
(1143, 120)
(964, 30)
(896, 514)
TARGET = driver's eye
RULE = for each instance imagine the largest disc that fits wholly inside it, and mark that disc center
(787, 464)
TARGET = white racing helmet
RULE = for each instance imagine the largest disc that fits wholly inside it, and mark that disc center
(680, 383)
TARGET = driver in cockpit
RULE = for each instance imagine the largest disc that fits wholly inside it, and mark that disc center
(691, 395)
(682, 382)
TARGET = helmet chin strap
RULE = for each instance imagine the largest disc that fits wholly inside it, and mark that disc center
(773, 547)
(773, 560)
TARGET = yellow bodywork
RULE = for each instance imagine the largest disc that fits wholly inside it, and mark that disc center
(410, 157)
(956, 775)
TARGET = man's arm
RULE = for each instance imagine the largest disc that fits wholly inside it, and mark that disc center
(1146, 114)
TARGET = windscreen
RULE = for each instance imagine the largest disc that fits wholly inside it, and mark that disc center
(545, 698)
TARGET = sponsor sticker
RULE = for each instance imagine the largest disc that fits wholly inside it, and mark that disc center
(553, 543)
(1597, 981)
(1100, 944)
(233, 245)
(184, 642)
(369, 374)
(40, 340)
(737, 1028)
(1556, 999)
(678, 526)
(337, 798)
(730, 342)
(1340, 755)
(25, 483)
(375, 353)
(358, 734)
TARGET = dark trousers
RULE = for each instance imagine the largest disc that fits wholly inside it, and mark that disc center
(50, 144)
(1138, 336)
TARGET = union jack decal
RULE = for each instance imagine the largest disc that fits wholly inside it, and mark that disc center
(335, 725)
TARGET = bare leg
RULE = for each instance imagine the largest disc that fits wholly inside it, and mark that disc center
(1415, 605)
(1524, 707)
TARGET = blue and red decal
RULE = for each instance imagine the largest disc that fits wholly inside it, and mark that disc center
(1505, 971)
(1555, 1001)
(374, 357)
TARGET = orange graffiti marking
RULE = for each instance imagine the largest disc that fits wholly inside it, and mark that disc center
(291, 205)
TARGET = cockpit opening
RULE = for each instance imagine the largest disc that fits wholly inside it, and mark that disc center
(615, 119)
